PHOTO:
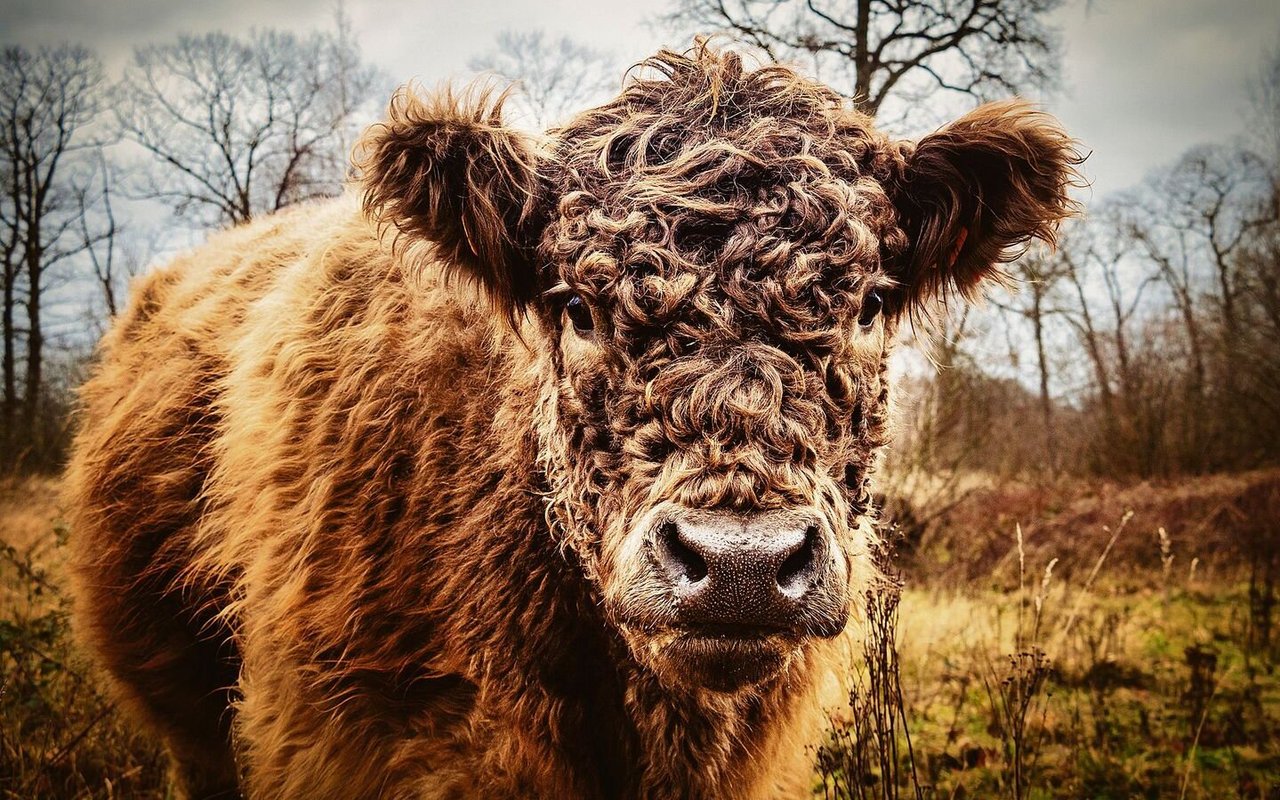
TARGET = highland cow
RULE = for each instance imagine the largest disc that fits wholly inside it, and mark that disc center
(543, 471)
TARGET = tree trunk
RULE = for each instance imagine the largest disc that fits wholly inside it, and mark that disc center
(862, 59)
(35, 340)
(10, 407)
(1046, 402)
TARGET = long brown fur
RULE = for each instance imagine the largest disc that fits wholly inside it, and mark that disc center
(342, 532)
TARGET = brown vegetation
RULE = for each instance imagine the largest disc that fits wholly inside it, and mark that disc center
(1223, 521)
(1078, 655)
(1141, 661)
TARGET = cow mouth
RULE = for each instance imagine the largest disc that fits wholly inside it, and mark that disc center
(727, 658)
(721, 658)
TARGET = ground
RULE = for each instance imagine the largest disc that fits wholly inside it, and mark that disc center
(1050, 642)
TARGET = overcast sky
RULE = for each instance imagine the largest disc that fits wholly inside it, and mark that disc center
(1146, 79)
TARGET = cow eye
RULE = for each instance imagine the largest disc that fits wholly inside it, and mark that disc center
(580, 315)
(872, 305)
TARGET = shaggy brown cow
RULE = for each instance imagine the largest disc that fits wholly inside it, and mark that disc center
(346, 529)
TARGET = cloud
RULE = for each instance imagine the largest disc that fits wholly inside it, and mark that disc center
(1150, 78)
(1147, 78)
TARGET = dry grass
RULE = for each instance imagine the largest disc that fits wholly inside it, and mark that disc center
(1046, 670)
(28, 510)
(59, 736)
(1091, 657)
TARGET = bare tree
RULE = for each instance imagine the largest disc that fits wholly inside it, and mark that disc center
(1216, 196)
(909, 49)
(1152, 329)
(1106, 289)
(1258, 272)
(924, 474)
(49, 99)
(556, 76)
(1038, 272)
(115, 251)
(1194, 221)
(239, 127)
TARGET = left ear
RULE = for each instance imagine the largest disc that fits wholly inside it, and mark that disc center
(445, 168)
(975, 193)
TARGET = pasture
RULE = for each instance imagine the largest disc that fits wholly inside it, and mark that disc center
(1098, 660)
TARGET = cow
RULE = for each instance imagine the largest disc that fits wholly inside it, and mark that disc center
(536, 466)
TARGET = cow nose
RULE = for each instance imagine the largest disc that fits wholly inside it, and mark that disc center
(753, 571)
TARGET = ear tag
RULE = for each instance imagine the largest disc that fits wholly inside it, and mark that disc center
(959, 245)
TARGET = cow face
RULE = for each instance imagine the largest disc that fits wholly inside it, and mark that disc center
(713, 266)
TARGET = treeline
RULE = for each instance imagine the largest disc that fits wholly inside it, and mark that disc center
(203, 132)
(100, 177)
(1147, 344)
(1144, 345)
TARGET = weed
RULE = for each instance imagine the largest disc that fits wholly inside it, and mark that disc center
(59, 737)
(869, 754)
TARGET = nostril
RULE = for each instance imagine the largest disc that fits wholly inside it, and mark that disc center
(793, 575)
(680, 560)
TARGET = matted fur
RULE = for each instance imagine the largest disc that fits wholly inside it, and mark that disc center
(340, 531)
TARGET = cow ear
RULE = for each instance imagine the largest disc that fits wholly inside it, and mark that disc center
(445, 168)
(974, 194)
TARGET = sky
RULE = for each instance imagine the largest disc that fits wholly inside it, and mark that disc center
(1144, 79)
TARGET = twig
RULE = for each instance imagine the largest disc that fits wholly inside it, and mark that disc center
(1093, 574)
(1195, 742)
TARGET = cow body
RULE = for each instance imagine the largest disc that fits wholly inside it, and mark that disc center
(541, 472)
(344, 537)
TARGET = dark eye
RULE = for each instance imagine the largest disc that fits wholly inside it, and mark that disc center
(871, 308)
(580, 315)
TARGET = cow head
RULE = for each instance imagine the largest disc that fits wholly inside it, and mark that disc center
(713, 266)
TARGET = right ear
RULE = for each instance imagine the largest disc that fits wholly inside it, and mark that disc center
(974, 194)
(445, 168)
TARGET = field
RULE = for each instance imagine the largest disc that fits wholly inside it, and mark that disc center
(1080, 640)
(1084, 641)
